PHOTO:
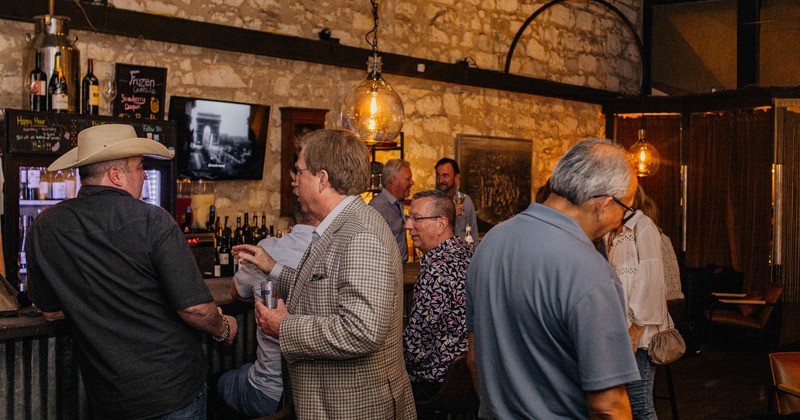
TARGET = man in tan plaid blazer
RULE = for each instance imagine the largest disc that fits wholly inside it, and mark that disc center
(341, 327)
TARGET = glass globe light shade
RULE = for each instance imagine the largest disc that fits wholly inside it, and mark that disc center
(644, 156)
(372, 109)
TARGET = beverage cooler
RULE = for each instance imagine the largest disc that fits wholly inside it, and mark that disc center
(31, 141)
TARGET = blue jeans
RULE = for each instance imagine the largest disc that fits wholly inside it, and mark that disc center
(195, 410)
(641, 392)
(235, 389)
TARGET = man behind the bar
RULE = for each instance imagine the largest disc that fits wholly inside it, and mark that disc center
(545, 311)
(437, 324)
(341, 327)
(448, 178)
(397, 182)
(254, 389)
(121, 273)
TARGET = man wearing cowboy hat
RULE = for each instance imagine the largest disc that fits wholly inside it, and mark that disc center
(121, 273)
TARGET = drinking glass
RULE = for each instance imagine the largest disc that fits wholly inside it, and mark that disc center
(459, 197)
(109, 93)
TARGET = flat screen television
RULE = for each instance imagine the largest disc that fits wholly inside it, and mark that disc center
(219, 140)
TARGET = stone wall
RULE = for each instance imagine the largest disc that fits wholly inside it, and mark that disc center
(435, 112)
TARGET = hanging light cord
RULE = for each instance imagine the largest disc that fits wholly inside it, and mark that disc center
(372, 36)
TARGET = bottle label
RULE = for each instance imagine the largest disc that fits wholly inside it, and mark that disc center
(33, 178)
(94, 95)
(59, 190)
(224, 258)
(217, 270)
(60, 101)
(39, 87)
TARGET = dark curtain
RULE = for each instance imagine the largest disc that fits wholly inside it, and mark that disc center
(729, 192)
(663, 132)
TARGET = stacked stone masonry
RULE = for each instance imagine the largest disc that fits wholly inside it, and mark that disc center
(576, 42)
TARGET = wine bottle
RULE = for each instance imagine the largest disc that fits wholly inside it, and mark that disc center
(58, 88)
(225, 260)
(264, 229)
(33, 183)
(247, 233)
(23, 183)
(58, 187)
(237, 234)
(469, 239)
(38, 86)
(90, 92)
(255, 231)
(217, 264)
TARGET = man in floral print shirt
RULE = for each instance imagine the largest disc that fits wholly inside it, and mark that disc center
(437, 329)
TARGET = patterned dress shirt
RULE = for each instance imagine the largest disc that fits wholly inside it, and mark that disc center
(437, 325)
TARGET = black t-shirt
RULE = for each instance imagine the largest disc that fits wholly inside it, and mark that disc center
(120, 268)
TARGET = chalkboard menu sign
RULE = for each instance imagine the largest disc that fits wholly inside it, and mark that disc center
(50, 133)
(140, 92)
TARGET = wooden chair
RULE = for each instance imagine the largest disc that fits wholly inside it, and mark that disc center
(456, 396)
(786, 381)
(760, 313)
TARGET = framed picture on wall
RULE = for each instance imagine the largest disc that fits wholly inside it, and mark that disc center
(294, 123)
(496, 174)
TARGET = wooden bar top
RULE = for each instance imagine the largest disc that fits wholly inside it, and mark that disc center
(28, 322)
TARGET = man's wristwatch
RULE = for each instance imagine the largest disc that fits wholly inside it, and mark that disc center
(227, 333)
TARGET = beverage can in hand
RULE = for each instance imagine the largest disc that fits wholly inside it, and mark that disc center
(268, 295)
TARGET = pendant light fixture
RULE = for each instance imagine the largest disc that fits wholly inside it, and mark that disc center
(372, 109)
(644, 156)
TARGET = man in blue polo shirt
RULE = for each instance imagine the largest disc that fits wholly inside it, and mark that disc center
(548, 336)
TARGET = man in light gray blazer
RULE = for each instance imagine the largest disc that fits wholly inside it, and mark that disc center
(341, 326)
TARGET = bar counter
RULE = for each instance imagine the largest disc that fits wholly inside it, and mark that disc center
(40, 377)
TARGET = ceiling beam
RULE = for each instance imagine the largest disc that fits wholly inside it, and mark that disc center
(121, 22)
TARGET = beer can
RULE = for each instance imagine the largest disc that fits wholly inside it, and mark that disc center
(268, 294)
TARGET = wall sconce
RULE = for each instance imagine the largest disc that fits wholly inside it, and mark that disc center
(372, 109)
(644, 156)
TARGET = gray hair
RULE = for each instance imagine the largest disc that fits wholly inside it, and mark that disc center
(591, 168)
(392, 167)
(442, 205)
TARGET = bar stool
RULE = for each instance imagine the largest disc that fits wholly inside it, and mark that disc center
(670, 390)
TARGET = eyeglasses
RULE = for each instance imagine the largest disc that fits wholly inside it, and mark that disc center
(415, 219)
(296, 172)
(629, 211)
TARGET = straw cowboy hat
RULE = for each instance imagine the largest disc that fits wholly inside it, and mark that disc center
(108, 142)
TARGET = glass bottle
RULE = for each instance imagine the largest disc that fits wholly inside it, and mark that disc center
(23, 184)
(58, 187)
(38, 86)
(58, 88)
(44, 185)
(469, 239)
(264, 230)
(247, 233)
(237, 234)
(90, 92)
